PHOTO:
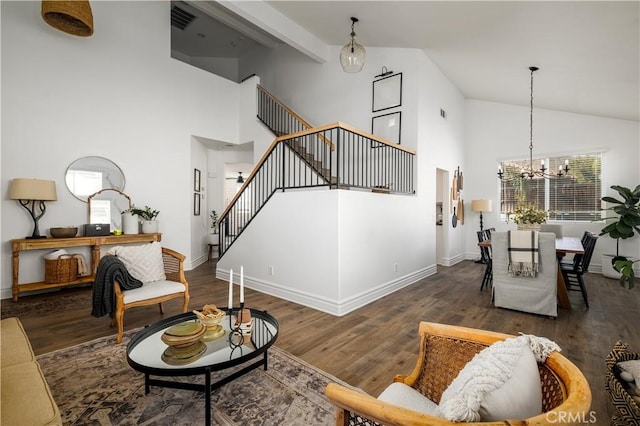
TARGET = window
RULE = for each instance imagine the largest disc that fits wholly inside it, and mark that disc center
(572, 198)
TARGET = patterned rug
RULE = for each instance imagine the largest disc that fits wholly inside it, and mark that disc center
(93, 385)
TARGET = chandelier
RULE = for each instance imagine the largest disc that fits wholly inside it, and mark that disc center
(542, 172)
(352, 55)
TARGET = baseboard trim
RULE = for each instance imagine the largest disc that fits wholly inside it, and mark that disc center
(332, 306)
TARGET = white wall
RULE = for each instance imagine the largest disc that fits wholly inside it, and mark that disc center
(117, 94)
(315, 248)
(496, 132)
(323, 93)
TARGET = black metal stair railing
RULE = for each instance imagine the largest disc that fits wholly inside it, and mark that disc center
(308, 159)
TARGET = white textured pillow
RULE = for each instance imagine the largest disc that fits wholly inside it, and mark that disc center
(143, 262)
(501, 382)
(632, 367)
(407, 397)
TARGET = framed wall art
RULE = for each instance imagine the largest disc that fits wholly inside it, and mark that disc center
(196, 204)
(387, 126)
(387, 92)
(196, 180)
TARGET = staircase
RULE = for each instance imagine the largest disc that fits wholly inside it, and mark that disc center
(335, 156)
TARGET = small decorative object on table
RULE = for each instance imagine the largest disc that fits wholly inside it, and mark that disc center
(184, 342)
(211, 317)
(64, 232)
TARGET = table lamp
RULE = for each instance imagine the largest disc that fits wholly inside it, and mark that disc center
(480, 206)
(32, 194)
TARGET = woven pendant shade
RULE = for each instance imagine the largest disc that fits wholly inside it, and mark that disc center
(73, 17)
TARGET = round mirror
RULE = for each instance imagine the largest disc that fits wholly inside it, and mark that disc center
(88, 175)
(106, 206)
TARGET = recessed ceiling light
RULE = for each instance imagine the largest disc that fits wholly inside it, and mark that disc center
(200, 35)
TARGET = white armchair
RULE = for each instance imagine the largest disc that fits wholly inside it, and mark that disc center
(537, 294)
(173, 285)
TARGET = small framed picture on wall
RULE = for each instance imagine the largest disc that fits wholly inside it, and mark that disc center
(196, 204)
(196, 180)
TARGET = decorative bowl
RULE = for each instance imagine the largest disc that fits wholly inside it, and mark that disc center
(210, 315)
(64, 232)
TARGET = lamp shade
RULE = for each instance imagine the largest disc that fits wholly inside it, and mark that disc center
(73, 17)
(33, 189)
(481, 205)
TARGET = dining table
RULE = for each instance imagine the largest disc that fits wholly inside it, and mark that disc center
(564, 246)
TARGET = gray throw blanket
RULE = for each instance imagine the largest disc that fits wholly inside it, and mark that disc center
(110, 269)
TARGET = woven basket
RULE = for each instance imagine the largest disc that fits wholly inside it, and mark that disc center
(529, 227)
(61, 270)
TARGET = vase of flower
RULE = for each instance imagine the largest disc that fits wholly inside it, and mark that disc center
(147, 217)
(528, 217)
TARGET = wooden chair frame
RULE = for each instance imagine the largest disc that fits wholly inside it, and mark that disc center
(174, 270)
(444, 351)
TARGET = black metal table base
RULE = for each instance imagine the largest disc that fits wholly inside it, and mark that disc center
(207, 387)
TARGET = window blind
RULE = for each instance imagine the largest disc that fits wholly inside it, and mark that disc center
(572, 198)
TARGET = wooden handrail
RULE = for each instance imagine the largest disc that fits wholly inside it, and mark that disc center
(350, 128)
(305, 133)
(294, 115)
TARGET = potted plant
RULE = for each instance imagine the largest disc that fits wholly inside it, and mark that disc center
(213, 235)
(148, 218)
(625, 225)
(527, 216)
(130, 222)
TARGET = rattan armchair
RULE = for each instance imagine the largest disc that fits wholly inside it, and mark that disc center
(444, 351)
(152, 293)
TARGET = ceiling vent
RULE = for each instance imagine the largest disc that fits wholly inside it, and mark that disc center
(180, 18)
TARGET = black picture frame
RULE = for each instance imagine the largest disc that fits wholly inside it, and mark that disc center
(387, 93)
(196, 180)
(387, 126)
(196, 204)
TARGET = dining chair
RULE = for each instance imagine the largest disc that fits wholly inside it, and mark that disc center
(537, 295)
(573, 272)
(486, 256)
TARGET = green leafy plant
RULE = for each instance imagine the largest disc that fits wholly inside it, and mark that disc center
(146, 214)
(214, 219)
(625, 225)
(528, 213)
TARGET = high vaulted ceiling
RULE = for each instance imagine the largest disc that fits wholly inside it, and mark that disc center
(588, 52)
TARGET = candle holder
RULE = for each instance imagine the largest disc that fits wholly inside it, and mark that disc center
(240, 330)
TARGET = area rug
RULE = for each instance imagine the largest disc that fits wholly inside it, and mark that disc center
(93, 385)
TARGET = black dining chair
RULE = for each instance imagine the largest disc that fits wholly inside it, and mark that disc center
(573, 273)
(487, 258)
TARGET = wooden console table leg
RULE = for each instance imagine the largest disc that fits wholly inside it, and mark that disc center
(15, 291)
(95, 258)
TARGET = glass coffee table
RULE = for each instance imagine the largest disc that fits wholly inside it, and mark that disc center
(147, 352)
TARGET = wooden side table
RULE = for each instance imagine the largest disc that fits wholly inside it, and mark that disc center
(211, 248)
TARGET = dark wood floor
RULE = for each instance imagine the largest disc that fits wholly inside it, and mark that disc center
(367, 347)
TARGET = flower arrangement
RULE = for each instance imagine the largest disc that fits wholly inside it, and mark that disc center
(528, 213)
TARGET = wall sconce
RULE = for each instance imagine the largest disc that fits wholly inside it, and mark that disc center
(31, 194)
(73, 17)
(385, 72)
(352, 55)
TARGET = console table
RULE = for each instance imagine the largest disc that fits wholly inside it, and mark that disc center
(55, 243)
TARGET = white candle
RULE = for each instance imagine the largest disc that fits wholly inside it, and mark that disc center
(230, 288)
(241, 284)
